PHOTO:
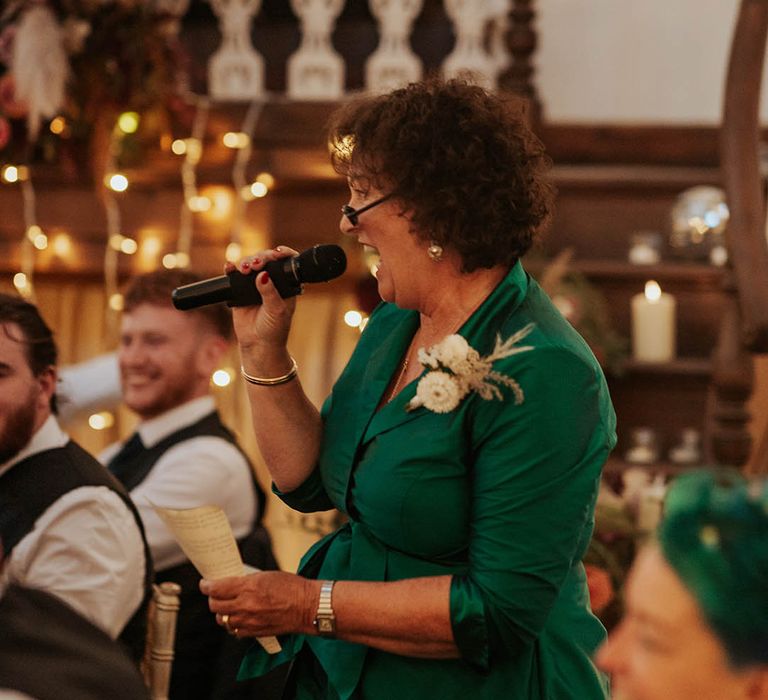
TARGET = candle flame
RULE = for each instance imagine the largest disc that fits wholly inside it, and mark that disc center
(652, 291)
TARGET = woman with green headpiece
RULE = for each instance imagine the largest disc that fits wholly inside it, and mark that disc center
(696, 622)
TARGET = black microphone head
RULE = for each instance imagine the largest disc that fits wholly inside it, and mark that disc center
(321, 263)
(196, 294)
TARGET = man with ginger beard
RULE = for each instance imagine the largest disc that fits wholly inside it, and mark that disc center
(68, 528)
(182, 456)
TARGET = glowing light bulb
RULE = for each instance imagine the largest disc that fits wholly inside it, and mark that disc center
(266, 179)
(33, 231)
(179, 147)
(221, 202)
(259, 189)
(235, 139)
(62, 245)
(234, 252)
(116, 302)
(20, 281)
(117, 182)
(10, 173)
(128, 246)
(221, 377)
(40, 241)
(150, 246)
(128, 122)
(353, 318)
(198, 203)
(169, 261)
(101, 421)
(57, 125)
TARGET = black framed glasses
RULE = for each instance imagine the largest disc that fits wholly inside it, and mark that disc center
(352, 214)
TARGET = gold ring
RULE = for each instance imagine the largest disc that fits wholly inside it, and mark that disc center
(235, 631)
(225, 620)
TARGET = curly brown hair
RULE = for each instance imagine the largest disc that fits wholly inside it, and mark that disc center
(156, 287)
(462, 162)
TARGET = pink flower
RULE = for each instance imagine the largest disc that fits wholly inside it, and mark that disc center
(600, 587)
(12, 107)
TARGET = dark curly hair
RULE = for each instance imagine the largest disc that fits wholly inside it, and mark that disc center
(462, 161)
(155, 288)
(40, 348)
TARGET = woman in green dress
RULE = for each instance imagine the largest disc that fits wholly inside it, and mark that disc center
(696, 622)
(464, 440)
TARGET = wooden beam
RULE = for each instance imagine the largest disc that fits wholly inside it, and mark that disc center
(740, 137)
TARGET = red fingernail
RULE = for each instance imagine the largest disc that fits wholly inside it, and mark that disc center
(256, 261)
(264, 277)
(246, 264)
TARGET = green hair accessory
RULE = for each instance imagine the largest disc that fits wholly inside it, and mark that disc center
(714, 534)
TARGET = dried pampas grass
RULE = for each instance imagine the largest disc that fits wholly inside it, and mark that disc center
(40, 67)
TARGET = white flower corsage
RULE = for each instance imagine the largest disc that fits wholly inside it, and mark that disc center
(456, 369)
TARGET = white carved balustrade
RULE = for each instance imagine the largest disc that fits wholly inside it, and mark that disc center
(393, 64)
(316, 71)
(236, 69)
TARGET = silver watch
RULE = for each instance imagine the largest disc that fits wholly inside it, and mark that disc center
(325, 620)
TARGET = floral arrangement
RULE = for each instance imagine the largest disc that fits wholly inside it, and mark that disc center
(585, 309)
(611, 551)
(84, 61)
(457, 368)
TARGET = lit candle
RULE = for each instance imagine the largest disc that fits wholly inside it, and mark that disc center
(653, 325)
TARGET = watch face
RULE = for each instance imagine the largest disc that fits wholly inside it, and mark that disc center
(325, 625)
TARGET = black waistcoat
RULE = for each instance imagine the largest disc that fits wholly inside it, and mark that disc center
(138, 467)
(34, 484)
(206, 658)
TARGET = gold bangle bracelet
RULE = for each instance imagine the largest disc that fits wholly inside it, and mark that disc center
(271, 381)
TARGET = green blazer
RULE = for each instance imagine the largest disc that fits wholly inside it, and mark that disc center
(498, 495)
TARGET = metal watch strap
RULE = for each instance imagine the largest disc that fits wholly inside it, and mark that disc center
(325, 620)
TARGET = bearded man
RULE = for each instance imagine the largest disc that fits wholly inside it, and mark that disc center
(67, 526)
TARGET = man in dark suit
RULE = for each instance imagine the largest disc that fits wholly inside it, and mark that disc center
(67, 526)
(182, 456)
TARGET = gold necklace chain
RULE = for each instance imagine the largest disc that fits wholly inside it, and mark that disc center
(400, 376)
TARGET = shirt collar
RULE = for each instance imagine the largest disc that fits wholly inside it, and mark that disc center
(49, 436)
(155, 429)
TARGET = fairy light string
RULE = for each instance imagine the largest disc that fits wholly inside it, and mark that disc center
(193, 202)
(243, 193)
(117, 243)
(33, 238)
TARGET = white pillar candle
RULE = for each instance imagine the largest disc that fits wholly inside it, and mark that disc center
(653, 325)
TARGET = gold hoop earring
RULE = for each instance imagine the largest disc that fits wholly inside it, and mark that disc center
(435, 251)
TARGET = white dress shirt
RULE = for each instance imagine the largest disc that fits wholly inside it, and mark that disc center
(85, 548)
(204, 470)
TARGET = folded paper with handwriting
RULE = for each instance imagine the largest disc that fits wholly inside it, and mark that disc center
(205, 536)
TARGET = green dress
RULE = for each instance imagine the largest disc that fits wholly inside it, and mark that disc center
(498, 495)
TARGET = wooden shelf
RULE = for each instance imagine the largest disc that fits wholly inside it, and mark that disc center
(617, 465)
(664, 271)
(616, 271)
(682, 366)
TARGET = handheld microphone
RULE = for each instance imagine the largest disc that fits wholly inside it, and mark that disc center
(317, 264)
